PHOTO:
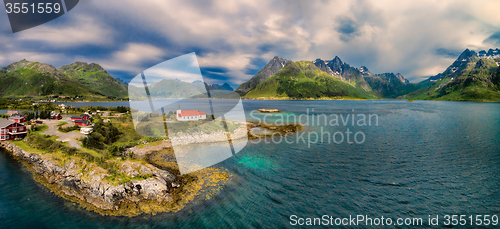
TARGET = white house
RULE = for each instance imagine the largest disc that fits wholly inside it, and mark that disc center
(86, 130)
(190, 115)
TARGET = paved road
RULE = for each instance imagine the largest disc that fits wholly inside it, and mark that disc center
(63, 137)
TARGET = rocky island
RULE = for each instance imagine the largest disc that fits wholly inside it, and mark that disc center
(269, 111)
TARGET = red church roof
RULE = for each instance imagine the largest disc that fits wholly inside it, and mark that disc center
(191, 113)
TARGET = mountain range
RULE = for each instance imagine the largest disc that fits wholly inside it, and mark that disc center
(177, 89)
(38, 80)
(89, 81)
(473, 76)
(282, 78)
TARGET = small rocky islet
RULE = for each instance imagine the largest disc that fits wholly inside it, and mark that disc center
(269, 110)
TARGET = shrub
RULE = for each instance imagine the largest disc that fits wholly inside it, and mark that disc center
(68, 129)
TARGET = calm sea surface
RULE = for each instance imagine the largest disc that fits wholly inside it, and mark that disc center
(423, 158)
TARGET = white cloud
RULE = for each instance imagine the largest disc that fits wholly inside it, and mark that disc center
(157, 74)
(131, 57)
(235, 63)
(81, 30)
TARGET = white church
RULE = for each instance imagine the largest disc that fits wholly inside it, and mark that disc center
(190, 115)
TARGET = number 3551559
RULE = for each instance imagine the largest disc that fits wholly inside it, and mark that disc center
(24, 8)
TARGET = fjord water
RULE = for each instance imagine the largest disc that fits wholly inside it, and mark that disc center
(423, 158)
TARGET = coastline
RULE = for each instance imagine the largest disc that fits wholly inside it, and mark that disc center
(154, 184)
(220, 136)
(161, 191)
(307, 99)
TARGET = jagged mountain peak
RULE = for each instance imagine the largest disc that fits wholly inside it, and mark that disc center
(269, 70)
(227, 86)
(466, 54)
(365, 71)
(318, 60)
(364, 68)
(473, 76)
(337, 59)
(334, 67)
(278, 61)
(492, 53)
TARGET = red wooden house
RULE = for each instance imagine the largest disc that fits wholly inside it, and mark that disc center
(19, 118)
(10, 130)
(80, 118)
(82, 122)
(57, 116)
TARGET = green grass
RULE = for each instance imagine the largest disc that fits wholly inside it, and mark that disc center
(303, 80)
(62, 123)
(26, 147)
(41, 128)
(96, 78)
(91, 152)
(122, 178)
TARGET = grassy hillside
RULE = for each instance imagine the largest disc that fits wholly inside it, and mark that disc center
(37, 80)
(169, 88)
(266, 72)
(478, 79)
(94, 77)
(389, 85)
(34, 79)
(304, 80)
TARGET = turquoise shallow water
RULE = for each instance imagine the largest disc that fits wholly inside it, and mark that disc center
(424, 158)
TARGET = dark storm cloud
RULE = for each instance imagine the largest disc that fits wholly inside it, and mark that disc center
(448, 53)
(493, 39)
(347, 28)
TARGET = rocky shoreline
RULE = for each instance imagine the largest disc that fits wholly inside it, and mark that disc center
(219, 136)
(93, 191)
(150, 190)
(244, 131)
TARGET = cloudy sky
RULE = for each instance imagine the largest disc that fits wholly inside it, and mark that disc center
(233, 40)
